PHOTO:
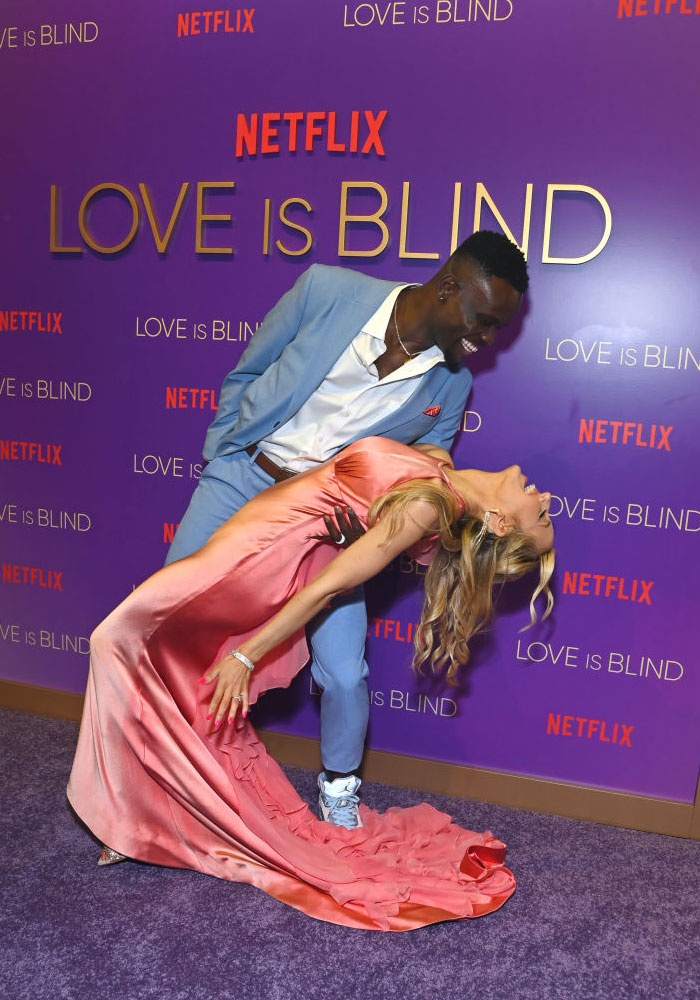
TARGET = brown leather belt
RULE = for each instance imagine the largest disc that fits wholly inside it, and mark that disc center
(268, 466)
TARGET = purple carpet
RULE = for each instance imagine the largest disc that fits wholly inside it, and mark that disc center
(599, 912)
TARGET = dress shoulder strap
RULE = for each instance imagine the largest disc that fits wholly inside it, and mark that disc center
(443, 475)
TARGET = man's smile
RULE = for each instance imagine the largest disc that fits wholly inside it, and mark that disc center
(467, 346)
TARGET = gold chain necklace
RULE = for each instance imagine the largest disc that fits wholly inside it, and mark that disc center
(396, 327)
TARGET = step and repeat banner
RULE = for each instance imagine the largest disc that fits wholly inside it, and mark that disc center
(167, 174)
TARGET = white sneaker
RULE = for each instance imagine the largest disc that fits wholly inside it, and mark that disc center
(338, 801)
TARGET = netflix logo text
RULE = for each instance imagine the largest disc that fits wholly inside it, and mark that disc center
(603, 585)
(625, 432)
(617, 733)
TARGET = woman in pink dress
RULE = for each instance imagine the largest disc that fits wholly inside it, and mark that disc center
(168, 770)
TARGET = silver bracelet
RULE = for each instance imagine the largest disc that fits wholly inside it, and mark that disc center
(244, 659)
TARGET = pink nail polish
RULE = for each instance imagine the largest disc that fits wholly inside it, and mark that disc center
(230, 720)
(202, 680)
(245, 712)
(209, 716)
(217, 723)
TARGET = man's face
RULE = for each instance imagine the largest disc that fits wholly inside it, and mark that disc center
(475, 307)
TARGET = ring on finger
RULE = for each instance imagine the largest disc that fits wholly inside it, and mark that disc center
(341, 540)
(238, 697)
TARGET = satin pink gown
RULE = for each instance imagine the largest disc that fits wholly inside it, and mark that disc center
(154, 781)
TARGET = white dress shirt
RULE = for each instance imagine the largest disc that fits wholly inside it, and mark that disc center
(351, 398)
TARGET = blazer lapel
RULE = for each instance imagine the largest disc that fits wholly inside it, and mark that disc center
(337, 326)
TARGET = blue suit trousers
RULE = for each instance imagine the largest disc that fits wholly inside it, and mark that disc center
(336, 637)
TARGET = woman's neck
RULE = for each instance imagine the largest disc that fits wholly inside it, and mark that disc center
(474, 488)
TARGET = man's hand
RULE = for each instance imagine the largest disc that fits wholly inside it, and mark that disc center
(346, 528)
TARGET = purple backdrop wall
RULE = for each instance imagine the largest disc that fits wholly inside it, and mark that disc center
(576, 124)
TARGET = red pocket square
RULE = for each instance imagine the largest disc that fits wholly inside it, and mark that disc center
(432, 411)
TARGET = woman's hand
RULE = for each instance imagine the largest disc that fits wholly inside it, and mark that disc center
(231, 691)
(362, 560)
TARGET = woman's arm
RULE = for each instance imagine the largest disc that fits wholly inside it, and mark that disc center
(363, 560)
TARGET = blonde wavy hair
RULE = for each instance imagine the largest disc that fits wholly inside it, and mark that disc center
(460, 581)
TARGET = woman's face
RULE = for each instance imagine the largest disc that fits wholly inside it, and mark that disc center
(523, 506)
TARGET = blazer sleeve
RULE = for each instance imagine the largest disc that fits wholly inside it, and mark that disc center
(278, 328)
(449, 420)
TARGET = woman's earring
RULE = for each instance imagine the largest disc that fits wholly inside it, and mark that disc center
(485, 525)
(484, 528)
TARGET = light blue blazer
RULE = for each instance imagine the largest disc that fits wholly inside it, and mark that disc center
(296, 346)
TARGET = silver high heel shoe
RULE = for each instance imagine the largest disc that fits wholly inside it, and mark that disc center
(110, 857)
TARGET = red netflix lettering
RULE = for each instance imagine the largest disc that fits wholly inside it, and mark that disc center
(273, 132)
(392, 629)
(32, 576)
(619, 432)
(589, 729)
(185, 398)
(642, 8)
(26, 320)
(30, 451)
(204, 22)
(579, 584)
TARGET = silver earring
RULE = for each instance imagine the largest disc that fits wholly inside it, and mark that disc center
(484, 530)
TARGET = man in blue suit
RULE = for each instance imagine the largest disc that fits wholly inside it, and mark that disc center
(340, 357)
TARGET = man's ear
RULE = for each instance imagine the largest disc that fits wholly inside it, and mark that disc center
(448, 285)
